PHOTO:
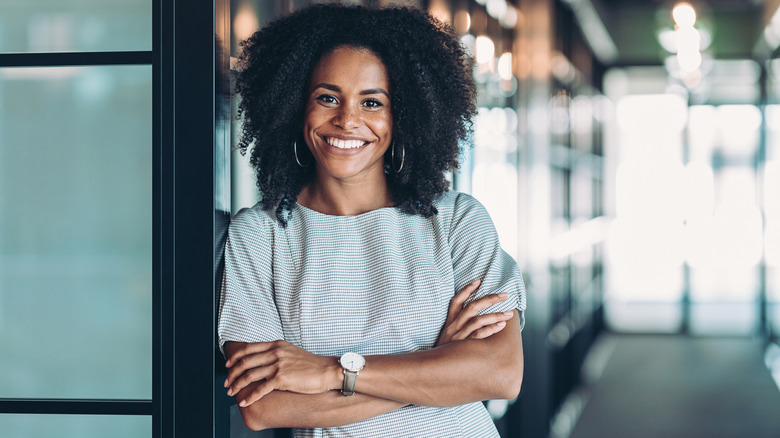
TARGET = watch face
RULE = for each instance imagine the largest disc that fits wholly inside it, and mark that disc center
(352, 362)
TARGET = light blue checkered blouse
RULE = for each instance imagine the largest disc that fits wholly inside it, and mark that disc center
(375, 283)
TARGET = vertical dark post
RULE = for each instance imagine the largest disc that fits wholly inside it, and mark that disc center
(192, 110)
(163, 215)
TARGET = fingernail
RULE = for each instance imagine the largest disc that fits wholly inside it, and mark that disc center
(225, 384)
(509, 313)
(230, 392)
(477, 281)
(501, 323)
(503, 294)
(243, 403)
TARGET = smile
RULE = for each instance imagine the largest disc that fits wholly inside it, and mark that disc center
(345, 144)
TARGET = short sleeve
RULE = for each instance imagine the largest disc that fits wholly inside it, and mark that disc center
(247, 312)
(477, 254)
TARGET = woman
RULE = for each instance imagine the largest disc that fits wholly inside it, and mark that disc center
(344, 306)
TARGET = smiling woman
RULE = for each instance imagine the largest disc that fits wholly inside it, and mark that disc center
(361, 297)
(348, 127)
(431, 98)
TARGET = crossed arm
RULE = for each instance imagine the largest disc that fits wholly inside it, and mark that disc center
(476, 358)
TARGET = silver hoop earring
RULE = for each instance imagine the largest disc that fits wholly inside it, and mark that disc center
(392, 158)
(295, 151)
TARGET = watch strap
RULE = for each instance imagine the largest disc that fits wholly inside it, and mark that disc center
(350, 378)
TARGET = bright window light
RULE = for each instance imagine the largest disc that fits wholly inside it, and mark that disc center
(738, 128)
(649, 113)
(701, 135)
(699, 191)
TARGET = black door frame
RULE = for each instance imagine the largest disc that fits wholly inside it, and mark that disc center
(191, 142)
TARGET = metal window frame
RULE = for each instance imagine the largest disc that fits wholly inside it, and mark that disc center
(73, 405)
(190, 62)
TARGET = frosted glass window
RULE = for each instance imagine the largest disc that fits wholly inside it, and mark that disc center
(47, 426)
(645, 279)
(495, 145)
(75, 25)
(76, 232)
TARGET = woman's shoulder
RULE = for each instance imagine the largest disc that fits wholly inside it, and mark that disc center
(462, 213)
(253, 219)
(453, 204)
(253, 213)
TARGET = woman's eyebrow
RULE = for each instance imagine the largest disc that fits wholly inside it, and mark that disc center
(374, 91)
(327, 86)
(337, 89)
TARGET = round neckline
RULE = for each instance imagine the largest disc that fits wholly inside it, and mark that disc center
(309, 210)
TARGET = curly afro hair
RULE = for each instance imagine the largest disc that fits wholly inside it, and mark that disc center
(433, 97)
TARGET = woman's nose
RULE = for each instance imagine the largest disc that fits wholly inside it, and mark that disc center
(347, 117)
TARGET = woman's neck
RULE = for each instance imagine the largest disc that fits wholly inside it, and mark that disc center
(340, 198)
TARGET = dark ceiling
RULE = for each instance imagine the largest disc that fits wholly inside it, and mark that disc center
(735, 25)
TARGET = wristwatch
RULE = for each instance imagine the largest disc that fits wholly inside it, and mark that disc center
(352, 363)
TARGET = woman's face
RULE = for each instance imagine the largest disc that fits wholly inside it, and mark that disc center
(348, 124)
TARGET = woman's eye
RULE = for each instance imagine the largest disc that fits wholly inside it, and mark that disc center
(327, 98)
(372, 103)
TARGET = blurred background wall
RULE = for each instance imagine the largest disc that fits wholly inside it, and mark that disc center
(626, 151)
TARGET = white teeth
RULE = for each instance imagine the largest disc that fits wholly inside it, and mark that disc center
(345, 144)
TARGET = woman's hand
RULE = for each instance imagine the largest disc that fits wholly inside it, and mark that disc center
(464, 323)
(278, 365)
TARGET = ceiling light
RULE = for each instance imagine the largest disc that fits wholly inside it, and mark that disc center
(684, 15)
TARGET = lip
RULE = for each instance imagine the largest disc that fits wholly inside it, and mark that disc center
(325, 137)
(345, 138)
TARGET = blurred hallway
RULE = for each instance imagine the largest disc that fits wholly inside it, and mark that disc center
(680, 387)
(628, 155)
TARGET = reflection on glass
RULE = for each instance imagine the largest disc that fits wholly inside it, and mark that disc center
(704, 213)
(771, 187)
(645, 277)
(737, 129)
(772, 213)
(75, 26)
(76, 232)
(493, 179)
(47, 426)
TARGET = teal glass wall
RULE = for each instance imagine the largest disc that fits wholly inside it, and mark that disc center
(73, 426)
(76, 232)
(75, 26)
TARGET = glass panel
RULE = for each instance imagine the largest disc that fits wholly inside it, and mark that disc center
(75, 25)
(724, 226)
(47, 426)
(76, 232)
(771, 188)
(495, 146)
(645, 249)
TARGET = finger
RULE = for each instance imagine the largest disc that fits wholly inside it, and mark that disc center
(473, 308)
(250, 376)
(249, 362)
(456, 304)
(478, 322)
(258, 392)
(486, 332)
(466, 314)
(247, 349)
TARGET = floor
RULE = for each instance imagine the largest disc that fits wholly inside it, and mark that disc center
(677, 387)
